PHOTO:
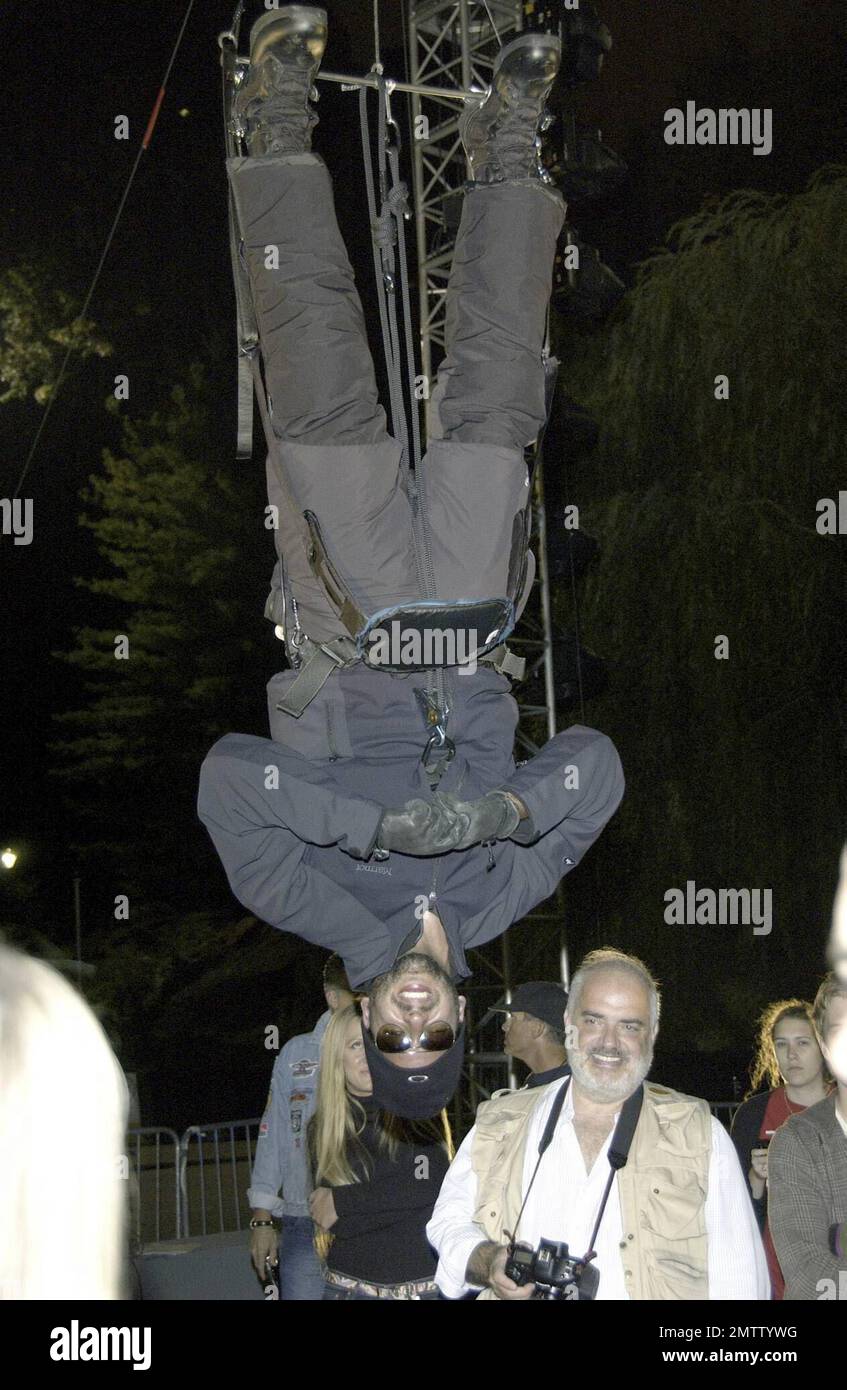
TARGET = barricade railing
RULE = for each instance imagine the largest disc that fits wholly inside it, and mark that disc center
(724, 1110)
(197, 1184)
(216, 1162)
(155, 1197)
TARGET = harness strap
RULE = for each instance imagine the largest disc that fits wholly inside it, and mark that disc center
(551, 372)
(321, 659)
(384, 236)
(505, 662)
(389, 251)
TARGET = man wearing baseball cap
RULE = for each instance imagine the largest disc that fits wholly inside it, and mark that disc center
(534, 1030)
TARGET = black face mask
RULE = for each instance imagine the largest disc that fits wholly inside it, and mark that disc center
(421, 1092)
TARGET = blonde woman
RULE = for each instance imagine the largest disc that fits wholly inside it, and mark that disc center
(63, 1103)
(376, 1179)
(790, 1064)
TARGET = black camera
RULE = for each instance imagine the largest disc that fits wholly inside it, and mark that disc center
(555, 1273)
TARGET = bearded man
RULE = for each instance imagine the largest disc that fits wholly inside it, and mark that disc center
(641, 1182)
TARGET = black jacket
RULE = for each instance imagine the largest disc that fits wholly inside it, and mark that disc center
(295, 828)
(745, 1136)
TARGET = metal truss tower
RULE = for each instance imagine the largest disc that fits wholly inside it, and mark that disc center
(453, 44)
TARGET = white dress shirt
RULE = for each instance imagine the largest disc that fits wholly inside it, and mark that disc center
(564, 1202)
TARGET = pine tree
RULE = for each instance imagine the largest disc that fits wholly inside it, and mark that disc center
(37, 326)
(180, 656)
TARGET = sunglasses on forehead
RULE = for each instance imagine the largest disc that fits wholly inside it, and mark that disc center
(437, 1037)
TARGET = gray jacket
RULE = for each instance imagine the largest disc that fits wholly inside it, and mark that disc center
(807, 1196)
(295, 824)
(280, 1180)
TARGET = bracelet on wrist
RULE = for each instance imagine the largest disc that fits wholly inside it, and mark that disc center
(254, 1225)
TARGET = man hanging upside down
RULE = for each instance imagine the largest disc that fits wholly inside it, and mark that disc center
(386, 818)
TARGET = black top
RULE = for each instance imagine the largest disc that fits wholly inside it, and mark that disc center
(380, 1234)
(745, 1136)
(543, 1078)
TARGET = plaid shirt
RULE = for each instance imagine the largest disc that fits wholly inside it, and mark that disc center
(807, 1187)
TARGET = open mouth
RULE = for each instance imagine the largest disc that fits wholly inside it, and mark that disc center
(417, 995)
(601, 1059)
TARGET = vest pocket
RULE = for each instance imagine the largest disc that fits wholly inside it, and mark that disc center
(673, 1234)
(674, 1204)
(680, 1279)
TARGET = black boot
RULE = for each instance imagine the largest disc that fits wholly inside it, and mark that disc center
(499, 131)
(272, 107)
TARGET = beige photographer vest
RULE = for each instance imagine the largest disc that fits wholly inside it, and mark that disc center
(662, 1189)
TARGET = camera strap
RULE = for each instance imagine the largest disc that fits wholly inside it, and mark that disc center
(618, 1152)
(618, 1155)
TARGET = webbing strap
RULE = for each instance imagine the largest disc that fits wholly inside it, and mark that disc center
(551, 372)
(248, 340)
(244, 441)
(318, 666)
(388, 230)
(505, 662)
(384, 233)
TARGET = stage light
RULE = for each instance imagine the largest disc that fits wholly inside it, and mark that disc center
(8, 859)
(587, 169)
(590, 291)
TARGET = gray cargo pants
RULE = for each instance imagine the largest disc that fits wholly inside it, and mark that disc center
(487, 404)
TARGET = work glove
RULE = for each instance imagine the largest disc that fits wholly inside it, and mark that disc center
(446, 823)
(492, 817)
(419, 827)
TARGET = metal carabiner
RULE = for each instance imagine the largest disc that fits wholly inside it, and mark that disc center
(396, 138)
(438, 741)
(386, 86)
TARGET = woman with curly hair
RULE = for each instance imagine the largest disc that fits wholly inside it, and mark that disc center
(790, 1064)
(376, 1179)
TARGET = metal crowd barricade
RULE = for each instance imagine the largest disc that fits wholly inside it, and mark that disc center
(197, 1184)
(215, 1165)
(155, 1199)
(724, 1110)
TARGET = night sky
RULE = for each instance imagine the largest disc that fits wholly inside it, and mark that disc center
(165, 293)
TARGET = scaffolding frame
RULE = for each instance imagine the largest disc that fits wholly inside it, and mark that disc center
(452, 44)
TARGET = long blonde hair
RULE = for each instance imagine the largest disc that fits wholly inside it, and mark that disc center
(63, 1103)
(339, 1118)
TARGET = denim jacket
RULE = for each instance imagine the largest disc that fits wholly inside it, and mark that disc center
(280, 1179)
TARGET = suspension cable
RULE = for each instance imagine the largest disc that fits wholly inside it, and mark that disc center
(377, 57)
(145, 144)
(493, 25)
